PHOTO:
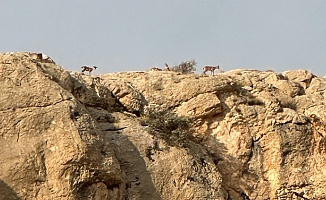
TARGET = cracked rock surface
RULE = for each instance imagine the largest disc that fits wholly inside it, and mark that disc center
(64, 135)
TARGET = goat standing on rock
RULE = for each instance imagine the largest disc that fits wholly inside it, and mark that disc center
(88, 69)
(155, 69)
(167, 68)
(211, 69)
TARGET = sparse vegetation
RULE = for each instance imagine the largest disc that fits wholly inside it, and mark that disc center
(289, 103)
(175, 130)
(186, 67)
(255, 101)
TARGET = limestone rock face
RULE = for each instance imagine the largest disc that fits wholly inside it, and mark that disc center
(163, 89)
(202, 105)
(303, 77)
(253, 135)
(51, 148)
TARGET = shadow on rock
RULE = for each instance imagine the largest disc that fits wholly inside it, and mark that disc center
(137, 178)
(6, 192)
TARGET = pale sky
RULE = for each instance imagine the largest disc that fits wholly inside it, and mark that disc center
(130, 35)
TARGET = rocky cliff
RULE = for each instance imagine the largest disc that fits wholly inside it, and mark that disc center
(242, 134)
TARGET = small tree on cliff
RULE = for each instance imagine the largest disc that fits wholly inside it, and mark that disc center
(186, 67)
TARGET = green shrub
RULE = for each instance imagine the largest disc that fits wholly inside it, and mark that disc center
(174, 129)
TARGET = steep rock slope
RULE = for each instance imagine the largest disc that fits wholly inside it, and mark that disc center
(254, 135)
(51, 147)
(263, 130)
(65, 136)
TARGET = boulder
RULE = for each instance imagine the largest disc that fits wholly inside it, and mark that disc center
(303, 77)
(203, 105)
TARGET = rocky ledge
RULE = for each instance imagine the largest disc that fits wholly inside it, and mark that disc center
(241, 134)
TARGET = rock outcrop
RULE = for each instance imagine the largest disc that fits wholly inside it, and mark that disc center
(253, 135)
(51, 146)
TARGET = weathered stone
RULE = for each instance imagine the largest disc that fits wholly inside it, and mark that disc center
(160, 90)
(255, 135)
(202, 105)
(51, 149)
(291, 89)
(317, 85)
(303, 77)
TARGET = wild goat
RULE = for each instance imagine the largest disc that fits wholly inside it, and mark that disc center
(40, 57)
(211, 69)
(155, 69)
(167, 68)
(88, 69)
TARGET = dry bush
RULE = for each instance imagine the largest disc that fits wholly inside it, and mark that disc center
(186, 67)
(175, 130)
(289, 103)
